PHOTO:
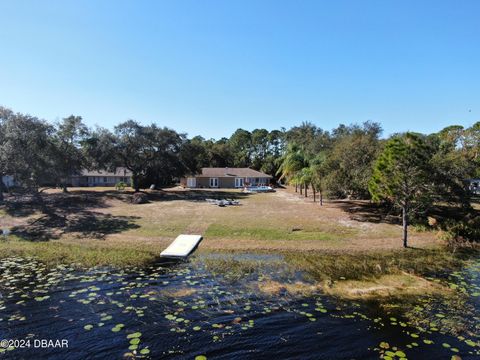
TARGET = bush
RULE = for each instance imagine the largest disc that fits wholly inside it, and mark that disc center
(120, 185)
(466, 229)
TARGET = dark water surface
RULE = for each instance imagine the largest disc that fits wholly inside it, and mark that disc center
(180, 311)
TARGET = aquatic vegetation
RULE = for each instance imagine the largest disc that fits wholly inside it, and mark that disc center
(357, 266)
(401, 285)
(272, 287)
(99, 303)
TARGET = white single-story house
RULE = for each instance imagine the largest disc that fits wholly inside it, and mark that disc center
(226, 178)
(101, 177)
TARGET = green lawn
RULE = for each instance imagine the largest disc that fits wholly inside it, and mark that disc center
(274, 233)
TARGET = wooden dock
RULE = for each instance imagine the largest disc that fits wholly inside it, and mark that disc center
(182, 246)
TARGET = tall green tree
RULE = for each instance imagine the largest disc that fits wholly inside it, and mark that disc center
(291, 163)
(194, 154)
(472, 146)
(241, 142)
(134, 145)
(260, 148)
(219, 153)
(319, 172)
(99, 150)
(402, 176)
(144, 149)
(67, 140)
(305, 178)
(350, 158)
(5, 114)
(26, 149)
(167, 164)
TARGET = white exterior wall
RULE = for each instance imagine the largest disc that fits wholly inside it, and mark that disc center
(106, 180)
(8, 181)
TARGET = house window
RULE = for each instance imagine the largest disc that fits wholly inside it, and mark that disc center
(105, 179)
(238, 182)
(191, 182)
(214, 182)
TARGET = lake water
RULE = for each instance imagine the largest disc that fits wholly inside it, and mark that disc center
(181, 311)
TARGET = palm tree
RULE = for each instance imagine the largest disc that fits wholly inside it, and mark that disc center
(305, 178)
(291, 163)
(318, 172)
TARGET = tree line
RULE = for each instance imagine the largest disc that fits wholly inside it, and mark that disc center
(407, 170)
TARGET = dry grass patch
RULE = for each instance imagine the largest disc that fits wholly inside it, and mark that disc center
(386, 286)
(182, 292)
(299, 288)
(337, 265)
(80, 253)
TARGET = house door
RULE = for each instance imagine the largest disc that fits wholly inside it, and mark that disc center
(214, 182)
(238, 182)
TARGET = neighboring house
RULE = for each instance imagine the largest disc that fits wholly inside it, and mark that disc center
(8, 181)
(226, 178)
(101, 177)
(474, 186)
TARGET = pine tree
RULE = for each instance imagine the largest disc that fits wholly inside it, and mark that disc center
(402, 175)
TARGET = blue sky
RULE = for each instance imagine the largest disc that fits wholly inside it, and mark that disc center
(210, 67)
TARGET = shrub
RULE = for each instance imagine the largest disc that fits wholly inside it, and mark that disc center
(120, 185)
(466, 229)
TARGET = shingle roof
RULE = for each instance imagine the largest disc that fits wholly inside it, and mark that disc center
(232, 172)
(119, 171)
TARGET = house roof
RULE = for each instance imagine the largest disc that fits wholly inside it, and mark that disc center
(119, 171)
(232, 172)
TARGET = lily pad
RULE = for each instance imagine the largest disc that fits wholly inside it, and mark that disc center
(134, 335)
(135, 341)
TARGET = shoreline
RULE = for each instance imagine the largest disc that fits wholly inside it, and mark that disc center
(364, 275)
(100, 227)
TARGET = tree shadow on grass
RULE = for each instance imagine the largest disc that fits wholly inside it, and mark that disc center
(77, 212)
(86, 224)
(22, 205)
(365, 211)
(99, 197)
(60, 214)
(196, 195)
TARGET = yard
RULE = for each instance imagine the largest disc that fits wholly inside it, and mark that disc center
(271, 221)
(101, 226)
